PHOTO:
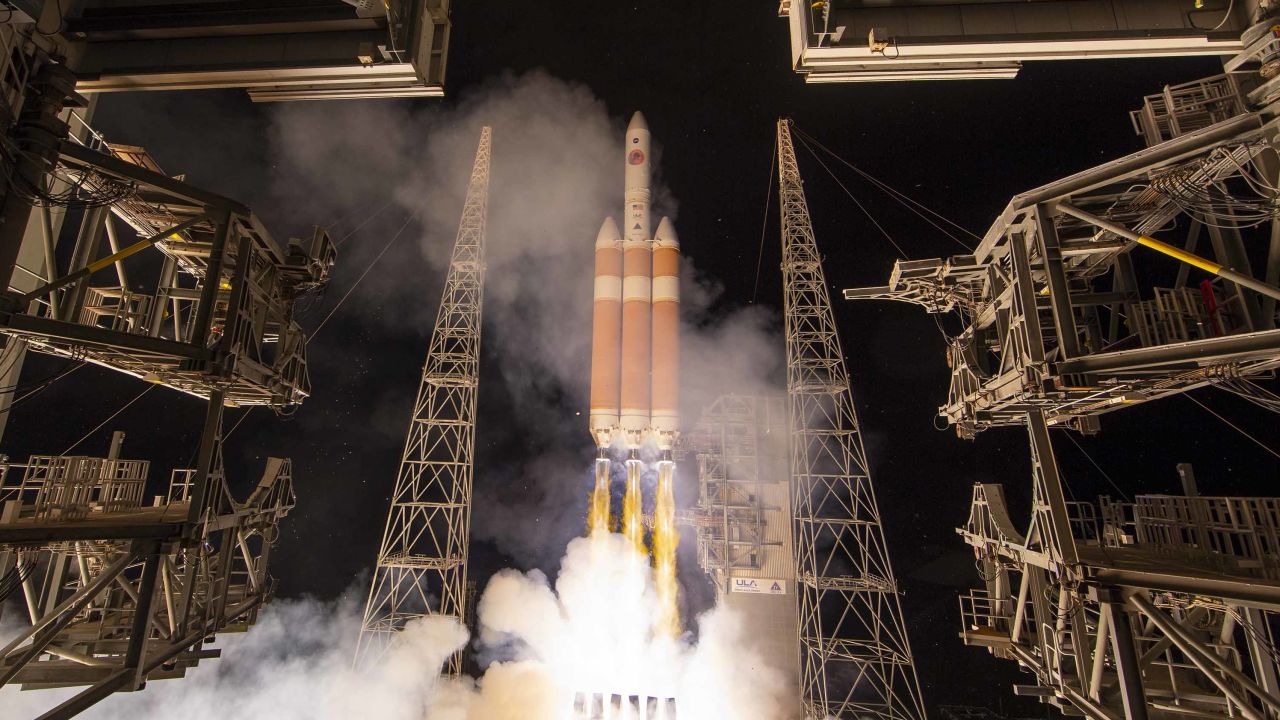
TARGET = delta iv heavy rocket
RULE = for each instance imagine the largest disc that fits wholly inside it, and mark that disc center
(635, 349)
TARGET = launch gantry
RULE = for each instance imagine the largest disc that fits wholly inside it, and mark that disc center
(119, 590)
(170, 284)
(422, 562)
(216, 314)
(1166, 606)
(1054, 316)
(855, 657)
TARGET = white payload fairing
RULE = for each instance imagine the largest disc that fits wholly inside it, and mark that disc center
(635, 348)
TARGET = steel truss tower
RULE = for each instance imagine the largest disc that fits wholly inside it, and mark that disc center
(855, 659)
(422, 565)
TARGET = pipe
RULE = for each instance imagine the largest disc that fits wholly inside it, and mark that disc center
(114, 242)
(50, 258)
(1174, 252)
(97, 265)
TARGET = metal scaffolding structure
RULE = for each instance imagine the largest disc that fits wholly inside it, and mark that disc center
(117, 591)
(216, 311)
(422, 563)
(1164, 607)
(1060, 304)
(732, 440)
(743, 523)
(855, 658)
(1167, 606)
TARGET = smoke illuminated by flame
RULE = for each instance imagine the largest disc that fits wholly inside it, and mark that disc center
(666, 539)
(598, 513)
(633, 508)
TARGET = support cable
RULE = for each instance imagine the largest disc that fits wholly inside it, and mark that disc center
(227, 434)
(1233, 426)
(855, 200)
(1253, 392)
(348, 215)
(376, 258)
(98, 427)
(902, 198)
(364, 222)
(1094, 463)
(764, 221)
(41, 386)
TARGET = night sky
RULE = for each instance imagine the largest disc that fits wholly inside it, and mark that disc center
(712, 78)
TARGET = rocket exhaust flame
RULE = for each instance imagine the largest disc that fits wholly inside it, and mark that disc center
(598, 519)
(666, 538)
(633, 508)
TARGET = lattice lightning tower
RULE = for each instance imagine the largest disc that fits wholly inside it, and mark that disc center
(422, 565)
(855, 659)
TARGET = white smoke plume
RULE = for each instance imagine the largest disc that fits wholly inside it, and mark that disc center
(294, 663)
(590, 633)
(557, 172)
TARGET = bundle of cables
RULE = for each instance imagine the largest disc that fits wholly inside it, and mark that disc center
(1201, 190)
(64, 186)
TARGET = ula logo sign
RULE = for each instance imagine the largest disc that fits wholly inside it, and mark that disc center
(759, 586)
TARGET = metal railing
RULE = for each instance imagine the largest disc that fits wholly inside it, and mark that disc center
(1181, 109)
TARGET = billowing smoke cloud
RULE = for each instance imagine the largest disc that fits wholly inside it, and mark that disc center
(557, 173)
(589, 633)
(294, 663)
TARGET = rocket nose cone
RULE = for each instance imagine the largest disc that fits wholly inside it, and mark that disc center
(638, 123)
(608, 234)
(666, 234)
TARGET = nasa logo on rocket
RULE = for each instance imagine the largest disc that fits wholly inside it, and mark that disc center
(635, 157)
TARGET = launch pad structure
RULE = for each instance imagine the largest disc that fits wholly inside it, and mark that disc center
(118, 589)
(1073, 307)
(124, 577)
(855, 656)
(121, 587)
(743, 524)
